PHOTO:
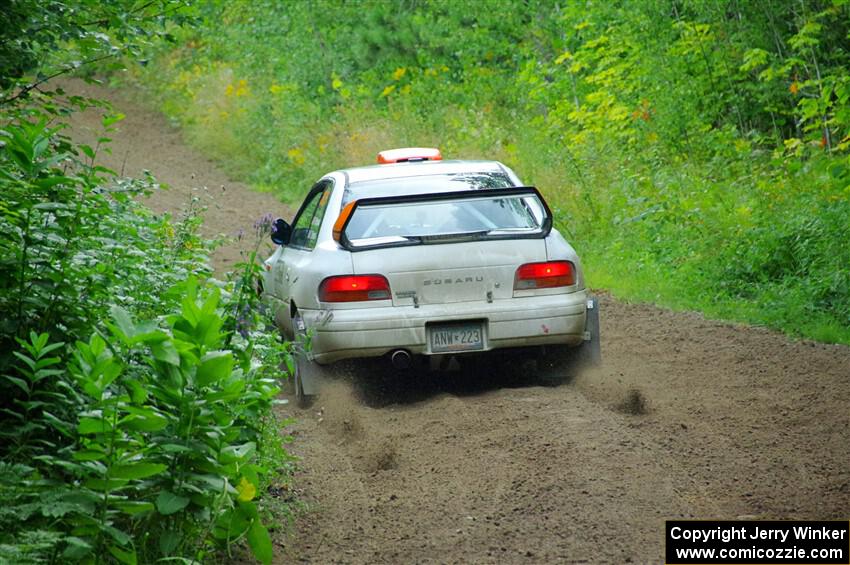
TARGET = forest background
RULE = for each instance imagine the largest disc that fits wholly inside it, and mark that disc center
(695, 151)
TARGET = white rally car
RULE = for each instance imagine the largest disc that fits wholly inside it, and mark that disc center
(419, 257)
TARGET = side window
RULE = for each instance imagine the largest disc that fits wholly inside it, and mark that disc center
(305, 232)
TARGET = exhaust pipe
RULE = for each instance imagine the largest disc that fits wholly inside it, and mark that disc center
(401, 359)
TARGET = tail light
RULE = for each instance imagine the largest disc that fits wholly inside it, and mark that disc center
(354, 288)
(545, 275)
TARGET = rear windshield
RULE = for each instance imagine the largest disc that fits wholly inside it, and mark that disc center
(459, 219)
(426, 184)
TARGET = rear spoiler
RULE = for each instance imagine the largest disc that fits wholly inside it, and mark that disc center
(489, 193)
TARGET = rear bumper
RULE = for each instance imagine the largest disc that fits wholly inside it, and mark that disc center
(518, 322)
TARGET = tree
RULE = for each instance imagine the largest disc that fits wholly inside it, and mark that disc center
(42, 39)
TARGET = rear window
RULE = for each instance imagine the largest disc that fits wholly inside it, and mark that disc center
(461, 219)
(426, 184)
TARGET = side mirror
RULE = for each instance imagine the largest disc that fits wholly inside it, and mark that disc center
(281, 232)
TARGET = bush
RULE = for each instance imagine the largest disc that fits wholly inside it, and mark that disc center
(74, 240)
(137, 394)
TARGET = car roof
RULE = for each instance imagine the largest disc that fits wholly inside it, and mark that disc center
(420, 168)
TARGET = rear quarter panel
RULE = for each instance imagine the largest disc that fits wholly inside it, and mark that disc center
(309, 269)
(558, 249)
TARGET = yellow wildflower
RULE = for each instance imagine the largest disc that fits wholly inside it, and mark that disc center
(399, 72)
(296, 156)
(246, 490)
(565, 56)
(387, 91)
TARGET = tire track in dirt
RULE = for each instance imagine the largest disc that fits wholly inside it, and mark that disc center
(506, 475)
(494, 468)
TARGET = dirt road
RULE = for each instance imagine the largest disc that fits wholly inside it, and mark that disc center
(686, 418)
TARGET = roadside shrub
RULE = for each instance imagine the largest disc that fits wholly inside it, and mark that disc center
(137, 393)
(73, 238)
(146, 446)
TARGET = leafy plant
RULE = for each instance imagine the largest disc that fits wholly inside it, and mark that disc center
(153, 451)
(125, 441)
(122, 440)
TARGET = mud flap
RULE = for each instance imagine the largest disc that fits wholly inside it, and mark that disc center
(312, 377)
(591, 350)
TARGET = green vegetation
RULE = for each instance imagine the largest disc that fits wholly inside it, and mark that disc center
(696, 151)
(136, 419)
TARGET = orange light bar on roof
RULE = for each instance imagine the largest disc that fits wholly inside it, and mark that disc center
(407, 154)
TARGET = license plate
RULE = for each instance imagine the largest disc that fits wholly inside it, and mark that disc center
(449, 338)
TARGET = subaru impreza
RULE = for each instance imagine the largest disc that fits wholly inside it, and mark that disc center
(417, 258)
